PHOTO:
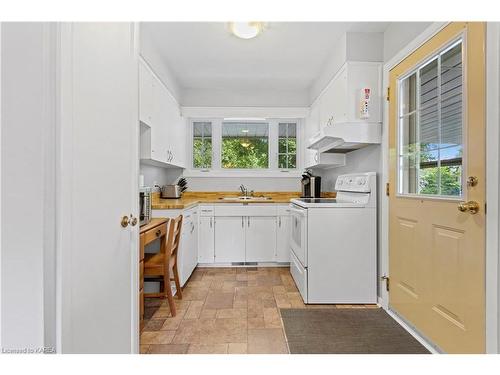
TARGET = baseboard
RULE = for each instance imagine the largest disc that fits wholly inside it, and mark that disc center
(242, 265)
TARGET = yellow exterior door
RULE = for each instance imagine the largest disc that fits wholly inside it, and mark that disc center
(437, 188)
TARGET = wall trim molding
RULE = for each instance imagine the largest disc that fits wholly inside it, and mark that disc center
(262, 112)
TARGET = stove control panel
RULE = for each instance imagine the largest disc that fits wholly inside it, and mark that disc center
(355, 182)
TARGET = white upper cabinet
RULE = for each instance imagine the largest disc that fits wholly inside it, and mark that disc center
(333, 102)
(341, 101)
(163, 135)
(146, 95)
(348, 119)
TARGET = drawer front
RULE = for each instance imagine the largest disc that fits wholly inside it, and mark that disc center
(141, 274)
(299, 275)
(155, 233)
(245, 210)
(206, 210)
(283, 210)
(142, 244)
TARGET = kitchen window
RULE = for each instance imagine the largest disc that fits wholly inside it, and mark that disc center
(287, 145)
(244, 147)
(430, 130)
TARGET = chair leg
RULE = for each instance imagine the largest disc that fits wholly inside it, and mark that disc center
(168, 290)
(177, 281)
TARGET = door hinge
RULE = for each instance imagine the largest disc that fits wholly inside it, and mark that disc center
(388, 94)
(387, 189)
(387, 281)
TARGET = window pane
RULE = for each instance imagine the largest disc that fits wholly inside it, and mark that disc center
(202, 144)
(245, 145)
(408, 97)
(451, 96)
(451, 180)
(428, 84)
(287, 145)
(282, 145)
(282, 161)
(430, 141)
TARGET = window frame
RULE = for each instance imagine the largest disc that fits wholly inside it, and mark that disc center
(399, 168)
(218, 171)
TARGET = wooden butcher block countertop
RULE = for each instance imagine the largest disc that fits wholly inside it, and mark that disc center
(190, 199)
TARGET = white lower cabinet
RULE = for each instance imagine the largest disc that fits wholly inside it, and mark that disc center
(206, 239)
(229, 239)
(224, 234)
(188, 247)
(260, 239)
(283, 239)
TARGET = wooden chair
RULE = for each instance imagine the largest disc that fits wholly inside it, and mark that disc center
(158, 266)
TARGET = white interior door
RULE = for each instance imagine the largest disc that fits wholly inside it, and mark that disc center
(97, 257)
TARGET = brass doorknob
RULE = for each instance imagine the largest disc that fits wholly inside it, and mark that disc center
(125, 221)
(471, 206)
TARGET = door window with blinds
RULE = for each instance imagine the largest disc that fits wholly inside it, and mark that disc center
(431, 126)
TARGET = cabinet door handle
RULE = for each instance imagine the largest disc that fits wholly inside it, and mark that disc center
(158, 232)
(249, 221)
(242, 222)
(279, 221)
(210, 222)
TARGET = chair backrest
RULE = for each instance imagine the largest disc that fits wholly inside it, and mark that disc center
(173, 237)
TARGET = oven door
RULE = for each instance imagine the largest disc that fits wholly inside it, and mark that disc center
(298, 233)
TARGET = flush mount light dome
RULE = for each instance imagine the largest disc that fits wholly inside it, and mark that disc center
(246, 30)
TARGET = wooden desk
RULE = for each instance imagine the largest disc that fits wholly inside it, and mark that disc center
(156, 228)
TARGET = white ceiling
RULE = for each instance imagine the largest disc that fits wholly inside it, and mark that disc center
(287, 56)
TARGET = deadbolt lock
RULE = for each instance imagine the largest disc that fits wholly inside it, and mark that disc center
(471, 206)
(472, 181)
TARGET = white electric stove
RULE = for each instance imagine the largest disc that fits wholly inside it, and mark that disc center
(333, 243)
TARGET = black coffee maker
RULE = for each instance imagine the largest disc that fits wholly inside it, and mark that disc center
(311, 185)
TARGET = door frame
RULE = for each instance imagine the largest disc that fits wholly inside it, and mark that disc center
(492, 187)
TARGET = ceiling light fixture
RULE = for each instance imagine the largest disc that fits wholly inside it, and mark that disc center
(246, 30)
(244, 130)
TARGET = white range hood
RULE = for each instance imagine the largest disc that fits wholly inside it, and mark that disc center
(345, 137)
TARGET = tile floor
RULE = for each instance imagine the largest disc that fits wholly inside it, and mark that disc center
(225, 310)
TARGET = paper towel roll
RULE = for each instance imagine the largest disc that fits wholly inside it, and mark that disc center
(141, 180)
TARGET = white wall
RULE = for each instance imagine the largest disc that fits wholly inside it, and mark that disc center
(398, 34)
(271, 97)
(27, 227)
(161, 176)
(150, 53)
(351, 46)
(252, 183)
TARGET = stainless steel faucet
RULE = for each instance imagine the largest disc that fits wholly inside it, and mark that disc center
(245, 192)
